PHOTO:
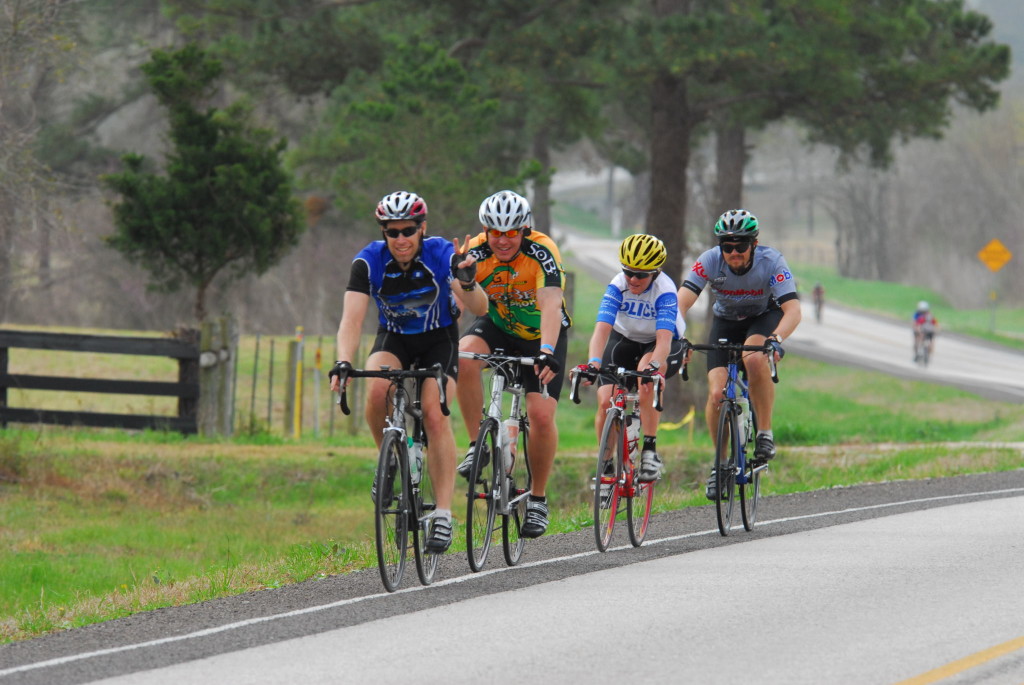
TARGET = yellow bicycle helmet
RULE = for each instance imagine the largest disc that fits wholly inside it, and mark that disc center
(642, 252)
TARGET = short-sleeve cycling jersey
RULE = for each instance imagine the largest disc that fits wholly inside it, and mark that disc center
(512, 287)
(767, 284)
(640, 317)
(925, 321)
(417, 300)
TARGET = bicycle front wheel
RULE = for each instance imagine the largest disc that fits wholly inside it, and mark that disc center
(725, 466)
(640, 499)
(519, 482)
(419, 520)
(392, 510)
(606, 479)
(480, 511)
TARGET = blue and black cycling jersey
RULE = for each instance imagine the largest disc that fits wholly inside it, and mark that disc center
(415, 300)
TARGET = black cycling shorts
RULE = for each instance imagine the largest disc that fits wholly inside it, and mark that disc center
(621, 351)
(422, 350)
(498, 339)
(738, 332)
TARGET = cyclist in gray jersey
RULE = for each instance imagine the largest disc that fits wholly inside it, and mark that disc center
(755, 301)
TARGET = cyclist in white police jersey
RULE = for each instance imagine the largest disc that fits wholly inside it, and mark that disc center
(755, 300)
(639, 327)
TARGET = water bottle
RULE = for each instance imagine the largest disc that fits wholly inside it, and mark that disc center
(512, 429)
(415, 461)
(745, 424)
(632, 434)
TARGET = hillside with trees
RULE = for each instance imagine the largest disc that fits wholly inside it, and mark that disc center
(877, 129)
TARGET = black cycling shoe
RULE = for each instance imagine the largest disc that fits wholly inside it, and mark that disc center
(764, 448)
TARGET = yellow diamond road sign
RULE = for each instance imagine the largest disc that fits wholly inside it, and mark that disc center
(995, 255)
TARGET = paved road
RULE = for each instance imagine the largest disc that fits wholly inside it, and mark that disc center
(872, 342)
(873, 584)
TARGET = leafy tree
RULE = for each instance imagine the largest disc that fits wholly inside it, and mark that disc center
(224, 208)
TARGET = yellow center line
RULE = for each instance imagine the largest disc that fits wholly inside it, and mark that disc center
(968, 662)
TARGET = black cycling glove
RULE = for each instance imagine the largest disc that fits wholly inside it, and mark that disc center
(338, 368)
(465, 274)
(547, 361)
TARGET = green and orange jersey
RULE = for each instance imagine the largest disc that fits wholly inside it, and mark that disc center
(512, 287)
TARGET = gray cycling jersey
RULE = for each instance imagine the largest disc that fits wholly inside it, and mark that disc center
(741, 296)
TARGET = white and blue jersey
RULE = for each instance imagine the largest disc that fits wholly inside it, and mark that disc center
(640, 317)
(416, 300)
(767, 284)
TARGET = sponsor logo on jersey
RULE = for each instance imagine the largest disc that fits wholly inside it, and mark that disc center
(782, 276)
(637, 309)
(698, 269)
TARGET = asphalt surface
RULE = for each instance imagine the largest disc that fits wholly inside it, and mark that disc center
(170, 637)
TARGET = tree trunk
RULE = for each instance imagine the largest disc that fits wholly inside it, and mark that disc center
(730, 160)
(541, 205)
(671, 128)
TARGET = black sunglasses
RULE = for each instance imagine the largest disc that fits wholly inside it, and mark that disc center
(408, 231)
(628, 273)
(729, 248)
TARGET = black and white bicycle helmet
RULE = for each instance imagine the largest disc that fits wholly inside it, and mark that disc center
(401, 206)
(506, 210)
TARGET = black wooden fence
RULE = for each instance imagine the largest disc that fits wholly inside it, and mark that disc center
(185, 349)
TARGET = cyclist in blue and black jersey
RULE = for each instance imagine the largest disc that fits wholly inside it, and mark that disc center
(410, 277)
(755, 300)
(639, 327)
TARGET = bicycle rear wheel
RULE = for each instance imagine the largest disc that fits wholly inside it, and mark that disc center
(750, 490)
(606, 479)
(640, 499)
(725, 466)
(480, 512)
(519, 483)
(419, 520)
(391, 510)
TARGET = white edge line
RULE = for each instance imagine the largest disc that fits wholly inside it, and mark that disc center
(460, 579)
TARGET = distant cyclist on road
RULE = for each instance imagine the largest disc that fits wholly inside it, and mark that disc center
(639, 327)
(819, 301)
(410, 277)
(520, 269)
(925, 327)
(755, 300)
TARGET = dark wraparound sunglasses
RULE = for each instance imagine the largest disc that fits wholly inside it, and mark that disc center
(729, 248)
(408, 231)
(628, 273)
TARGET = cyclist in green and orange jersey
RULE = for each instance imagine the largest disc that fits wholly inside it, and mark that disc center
(521, 271)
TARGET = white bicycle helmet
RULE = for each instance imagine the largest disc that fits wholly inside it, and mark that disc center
(506, 210)
(401, 206)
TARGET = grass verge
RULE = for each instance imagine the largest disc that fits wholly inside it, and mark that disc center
(95, 526)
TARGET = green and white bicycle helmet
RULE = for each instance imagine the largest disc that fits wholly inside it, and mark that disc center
(736, 224)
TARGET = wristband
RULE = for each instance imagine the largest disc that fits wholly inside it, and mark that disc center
(595, 359)
(468, 287)
(548, 347)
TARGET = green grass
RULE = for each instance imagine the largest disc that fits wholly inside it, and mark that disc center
(97, 524)
(898, 301)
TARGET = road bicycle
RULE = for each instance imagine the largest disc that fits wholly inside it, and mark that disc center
(618, 454)
(403, 494)
(500, 486)
(921, 348)
(737, 429)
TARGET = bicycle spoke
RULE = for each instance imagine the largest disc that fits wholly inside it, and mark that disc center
(480, 512)
(426, 562)
(391, 512)
(607, 489)
(725, 467)
(518, 488)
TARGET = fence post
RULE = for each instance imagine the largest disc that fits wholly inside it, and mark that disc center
(209, 369)
(293, 396)
(188, 372)
(226, 356)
